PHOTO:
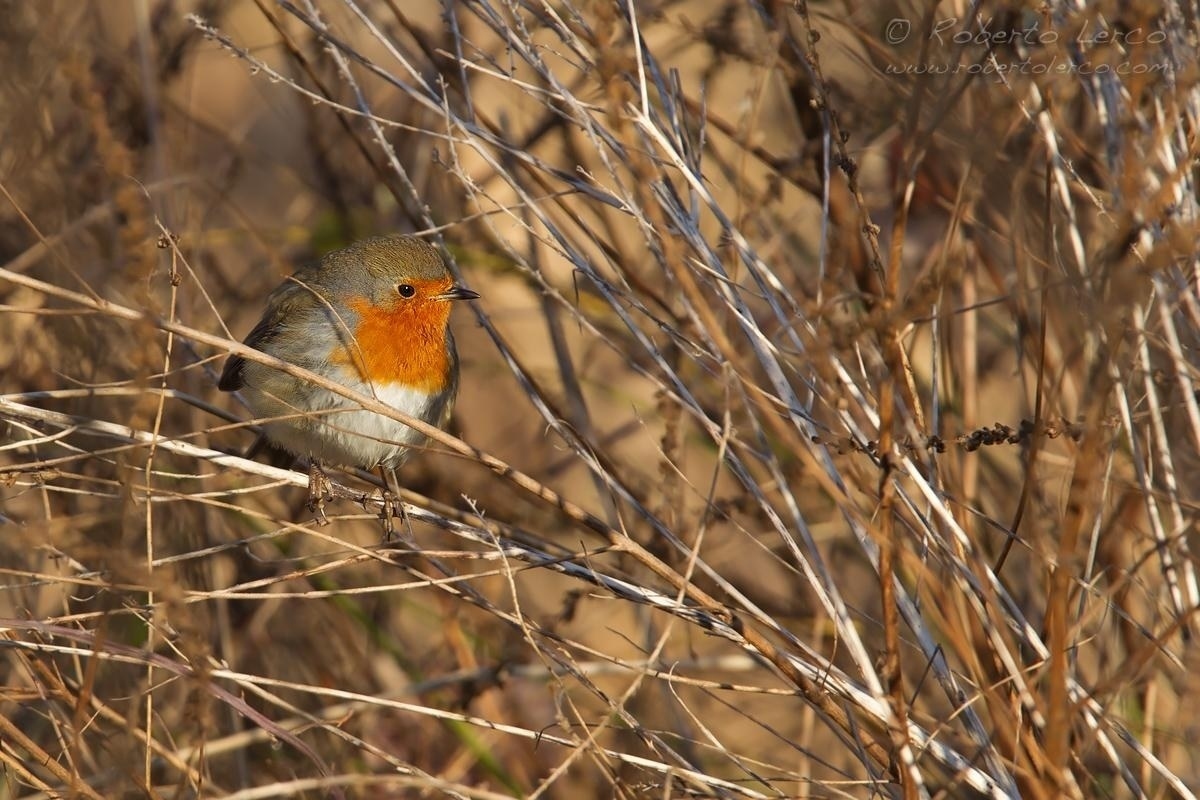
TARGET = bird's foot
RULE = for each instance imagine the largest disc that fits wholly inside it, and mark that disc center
(393, 507)
(320, 491)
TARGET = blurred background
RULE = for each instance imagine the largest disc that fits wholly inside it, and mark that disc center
(832, 392)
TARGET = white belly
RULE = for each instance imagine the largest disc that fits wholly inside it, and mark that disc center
(339, 431)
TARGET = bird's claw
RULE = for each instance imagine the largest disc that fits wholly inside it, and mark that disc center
(320, 491)
(393, 507)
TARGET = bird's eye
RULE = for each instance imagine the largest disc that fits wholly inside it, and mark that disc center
(406, 290)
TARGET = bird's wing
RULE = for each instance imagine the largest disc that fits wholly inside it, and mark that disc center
(287, 300)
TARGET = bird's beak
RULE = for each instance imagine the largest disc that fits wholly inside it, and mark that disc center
(457, 293)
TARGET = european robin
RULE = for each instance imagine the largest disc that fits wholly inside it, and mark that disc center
(373, 317)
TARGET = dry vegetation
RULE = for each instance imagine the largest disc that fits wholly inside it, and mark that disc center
(828, 425)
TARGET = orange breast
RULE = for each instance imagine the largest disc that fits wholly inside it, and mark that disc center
(402, 343)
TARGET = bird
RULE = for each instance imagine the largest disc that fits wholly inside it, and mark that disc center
(373, 317)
